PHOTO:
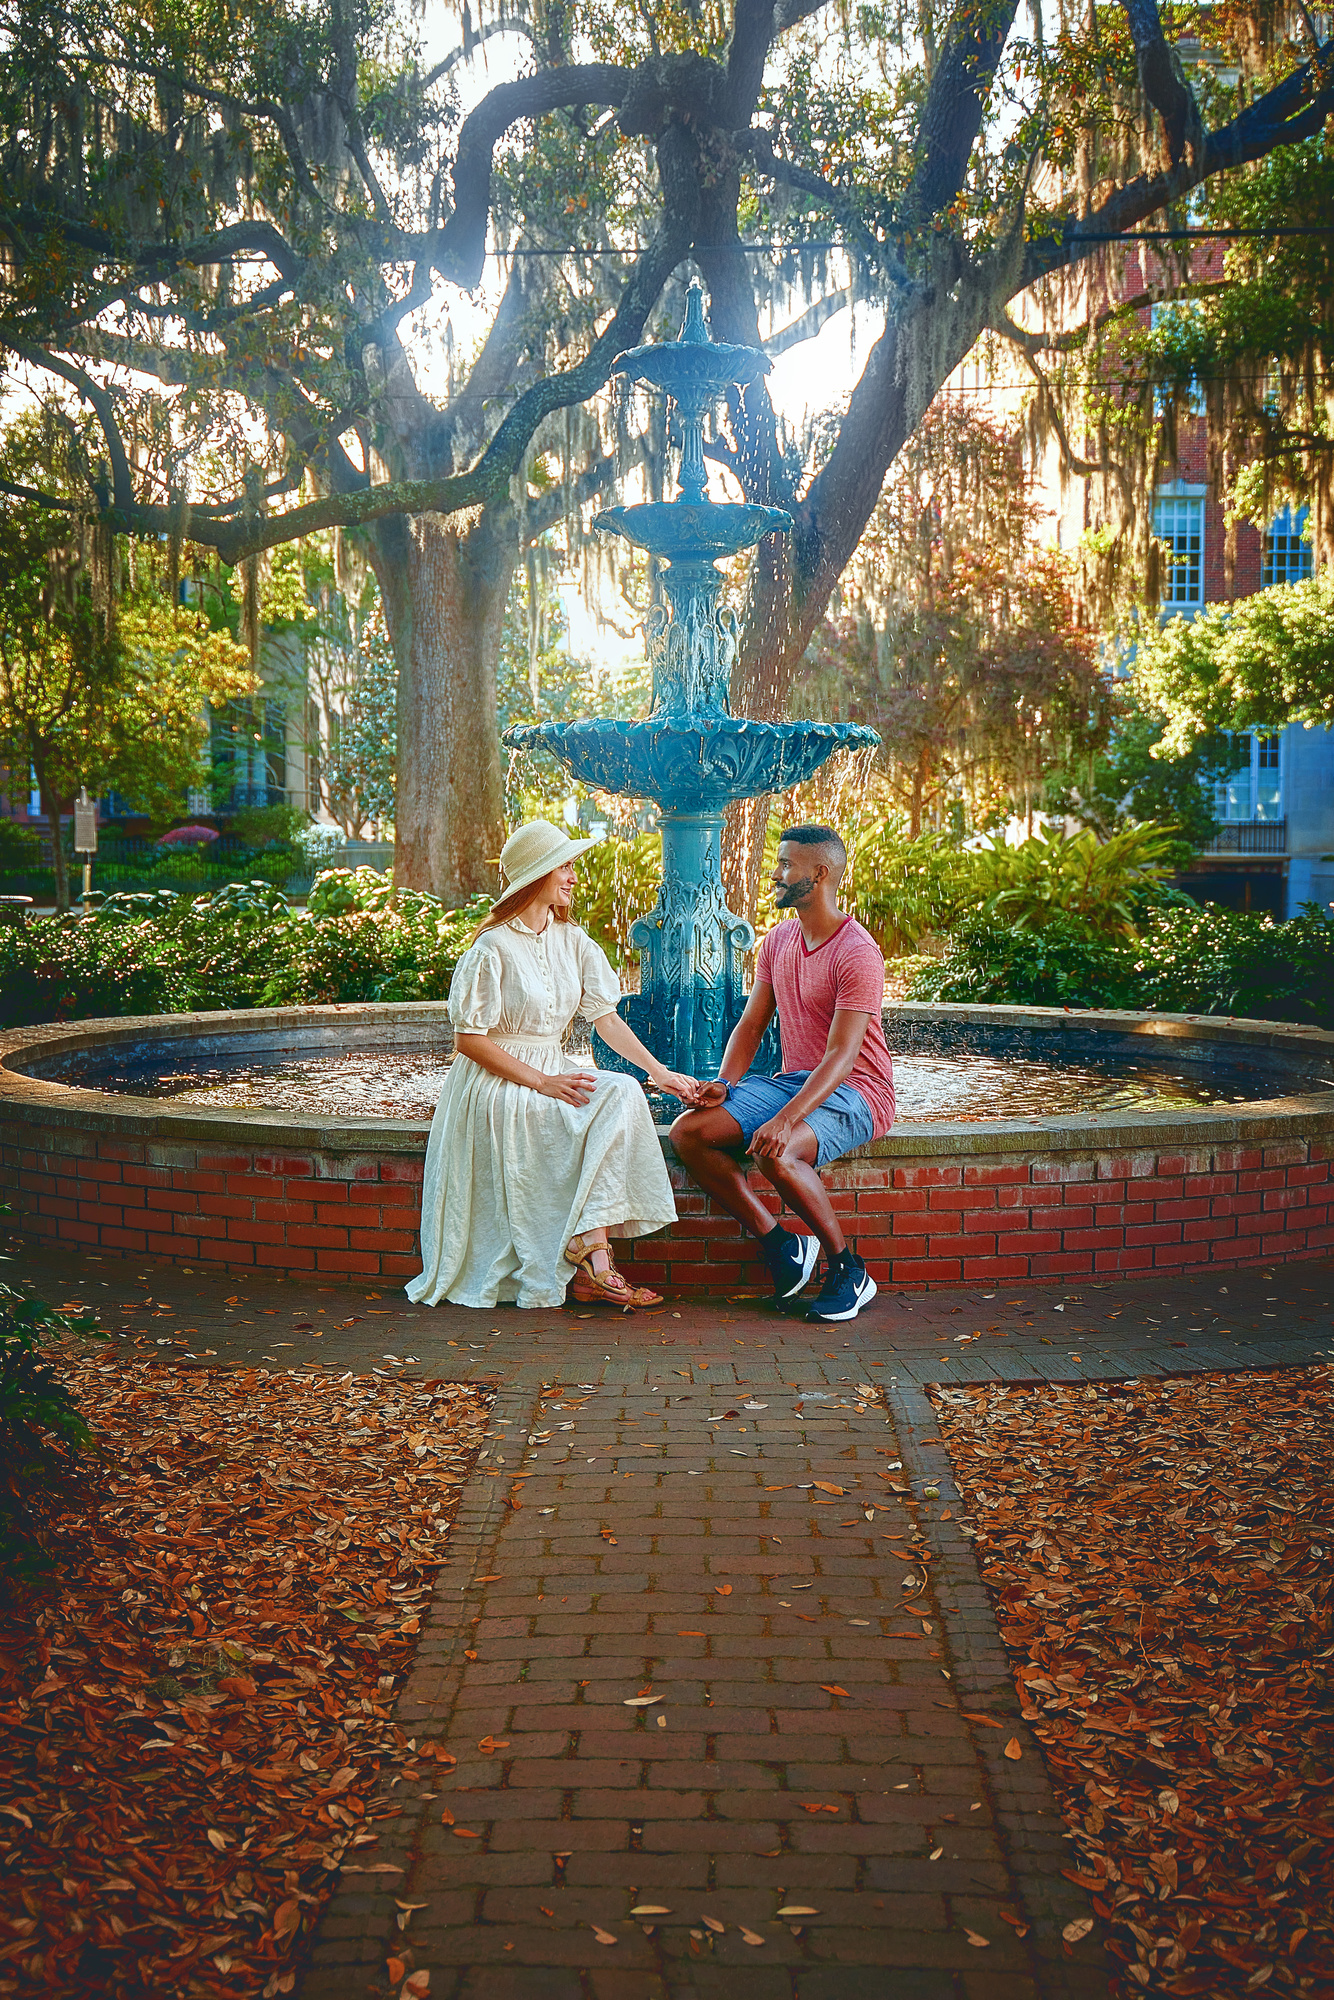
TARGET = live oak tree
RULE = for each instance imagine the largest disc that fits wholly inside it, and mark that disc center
(226, 229)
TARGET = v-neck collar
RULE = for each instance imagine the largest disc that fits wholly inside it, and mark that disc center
(809, 951)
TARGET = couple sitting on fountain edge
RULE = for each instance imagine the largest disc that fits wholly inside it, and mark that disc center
(536, 1161)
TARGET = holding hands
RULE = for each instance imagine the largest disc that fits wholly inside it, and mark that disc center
(675, 1085)
(708, 1096)
(576, 1086)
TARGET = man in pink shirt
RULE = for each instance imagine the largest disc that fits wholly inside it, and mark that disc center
(825, 976)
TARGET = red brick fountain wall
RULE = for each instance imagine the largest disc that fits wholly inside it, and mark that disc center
(919, 1218)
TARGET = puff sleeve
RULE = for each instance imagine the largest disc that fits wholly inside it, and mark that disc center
(474, 991)
(601, 987)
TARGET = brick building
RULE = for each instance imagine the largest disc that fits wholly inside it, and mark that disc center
(1275, 846)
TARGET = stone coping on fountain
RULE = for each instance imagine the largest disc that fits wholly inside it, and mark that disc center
(933, 1203)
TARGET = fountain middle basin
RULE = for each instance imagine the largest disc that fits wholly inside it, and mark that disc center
(1183, 1140)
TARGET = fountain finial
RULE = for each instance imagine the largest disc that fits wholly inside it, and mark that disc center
(694, 327)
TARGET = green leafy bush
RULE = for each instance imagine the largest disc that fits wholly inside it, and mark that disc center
(41, 1428)
(1060, 964)
(242, 946)
(1214, 961)
(1186, 960)
(902, 889)
(1092, 883)
(22, 872)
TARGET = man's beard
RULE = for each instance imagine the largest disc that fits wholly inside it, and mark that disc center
(792, 892)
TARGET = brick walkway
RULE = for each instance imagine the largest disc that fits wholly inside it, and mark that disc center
(806, 1731)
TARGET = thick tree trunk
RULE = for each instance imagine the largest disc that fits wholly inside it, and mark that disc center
(444, 598)
(55, 811)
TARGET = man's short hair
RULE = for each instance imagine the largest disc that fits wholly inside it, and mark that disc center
(817, 836)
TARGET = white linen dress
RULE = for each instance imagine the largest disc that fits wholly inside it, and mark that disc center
(512, 1175)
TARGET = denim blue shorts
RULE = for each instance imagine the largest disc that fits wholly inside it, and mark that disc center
(843, 1121)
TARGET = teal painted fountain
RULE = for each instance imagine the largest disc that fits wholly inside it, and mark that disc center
(691, 754)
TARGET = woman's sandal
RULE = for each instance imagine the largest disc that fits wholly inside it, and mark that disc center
(609, 1287)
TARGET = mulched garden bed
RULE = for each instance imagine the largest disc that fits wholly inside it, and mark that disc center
(197, 1702)
(1162, 1559)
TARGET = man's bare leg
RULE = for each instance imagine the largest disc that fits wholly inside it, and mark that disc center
(794, 1175)
(702, 1139)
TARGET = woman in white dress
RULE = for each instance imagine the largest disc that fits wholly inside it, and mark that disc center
(534, 1159)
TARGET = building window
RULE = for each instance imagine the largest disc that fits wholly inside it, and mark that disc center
(1255, 792)
(1287, 549)
(249, 750)
(1178, 522)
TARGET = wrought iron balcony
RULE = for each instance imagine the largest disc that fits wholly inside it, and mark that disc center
(1250, 836)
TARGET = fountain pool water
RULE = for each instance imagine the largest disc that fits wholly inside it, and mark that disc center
(971, 1084)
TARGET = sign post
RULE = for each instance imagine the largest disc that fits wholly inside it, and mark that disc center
(85, 836)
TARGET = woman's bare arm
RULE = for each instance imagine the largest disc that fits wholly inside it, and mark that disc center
(567, 1086)
(618, 1035)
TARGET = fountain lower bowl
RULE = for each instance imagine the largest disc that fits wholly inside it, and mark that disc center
(997, 1200)
(692, 763)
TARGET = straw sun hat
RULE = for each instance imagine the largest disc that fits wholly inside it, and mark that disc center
(532, 851)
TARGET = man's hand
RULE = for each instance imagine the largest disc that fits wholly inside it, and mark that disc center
(708, 1096)
(771, 1139)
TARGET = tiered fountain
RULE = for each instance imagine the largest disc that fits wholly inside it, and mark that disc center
(691, 755)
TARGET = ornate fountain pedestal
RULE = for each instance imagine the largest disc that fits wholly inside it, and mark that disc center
(692, 952)
(691, 754)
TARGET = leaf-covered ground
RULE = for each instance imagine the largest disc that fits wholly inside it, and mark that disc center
(1162, 1560)
(196, 1706)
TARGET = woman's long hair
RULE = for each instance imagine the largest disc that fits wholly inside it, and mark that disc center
(510, 906)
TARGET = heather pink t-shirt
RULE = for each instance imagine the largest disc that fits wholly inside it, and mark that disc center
(846, 971)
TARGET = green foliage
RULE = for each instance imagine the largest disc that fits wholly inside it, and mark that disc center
(1218, 961)
(192, 872)
(256, 901)
(335, 891)
(618, 881)
(34, 1403)
(91, 693)
(904, 889)
(358, 773)
(1258, 663)
(956, 636)
(270, 826)
(1059, 965)
(41, 1428)
(1133, 779)
(1184, 961)
(359, 938)
(1099, 885)
(20, 851)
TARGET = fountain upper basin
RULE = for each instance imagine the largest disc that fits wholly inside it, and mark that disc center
(693, 531)
(692, 763)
